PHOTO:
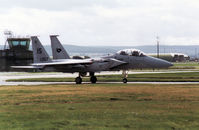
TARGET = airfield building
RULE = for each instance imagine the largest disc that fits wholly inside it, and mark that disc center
(16, 52)
(172, 57)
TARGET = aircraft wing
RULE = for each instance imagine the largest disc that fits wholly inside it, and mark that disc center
(64, 62)
(27, 67)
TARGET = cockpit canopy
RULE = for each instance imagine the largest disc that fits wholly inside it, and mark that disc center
(131, 52)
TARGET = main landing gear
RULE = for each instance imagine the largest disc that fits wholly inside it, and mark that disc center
(93, 78)
(125, 75)
(78, 80)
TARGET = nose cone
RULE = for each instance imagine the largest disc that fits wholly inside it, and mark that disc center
(163, 63)
(159, 63)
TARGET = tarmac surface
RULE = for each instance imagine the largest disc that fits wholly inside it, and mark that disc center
(15, 75)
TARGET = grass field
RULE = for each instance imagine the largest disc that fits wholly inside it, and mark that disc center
(150, 77)
(185, 65)
(99, 106)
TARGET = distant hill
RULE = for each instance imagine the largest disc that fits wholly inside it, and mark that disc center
(102, 50)
(83, 50)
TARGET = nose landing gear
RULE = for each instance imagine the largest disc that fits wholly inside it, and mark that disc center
(125, 75)
(125, 80)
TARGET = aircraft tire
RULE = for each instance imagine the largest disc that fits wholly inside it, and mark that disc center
(78, 80)
(93, 79)
(125, 80)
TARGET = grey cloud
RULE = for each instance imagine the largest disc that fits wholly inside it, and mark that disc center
(59, 5)
(123, 21)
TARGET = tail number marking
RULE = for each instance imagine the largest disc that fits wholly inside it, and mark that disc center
(44, 59)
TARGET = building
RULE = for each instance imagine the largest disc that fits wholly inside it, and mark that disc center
(16, 52)
(172, 57)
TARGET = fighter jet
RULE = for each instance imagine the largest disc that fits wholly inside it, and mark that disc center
(122, 60)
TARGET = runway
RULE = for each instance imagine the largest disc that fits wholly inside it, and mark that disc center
(15, 75)
(73, 83)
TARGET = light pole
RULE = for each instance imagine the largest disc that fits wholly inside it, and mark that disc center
(158, 47)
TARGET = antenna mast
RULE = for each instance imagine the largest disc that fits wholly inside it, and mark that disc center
(7, 34)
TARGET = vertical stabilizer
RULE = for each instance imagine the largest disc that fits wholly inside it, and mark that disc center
(57, 49)
(39, 53)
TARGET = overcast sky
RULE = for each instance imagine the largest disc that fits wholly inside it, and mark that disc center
(103, 22)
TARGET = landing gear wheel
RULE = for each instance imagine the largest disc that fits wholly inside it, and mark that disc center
(125, 80)
(93, 79)
(78, 80)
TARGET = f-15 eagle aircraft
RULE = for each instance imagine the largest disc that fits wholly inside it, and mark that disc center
(61, 62)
